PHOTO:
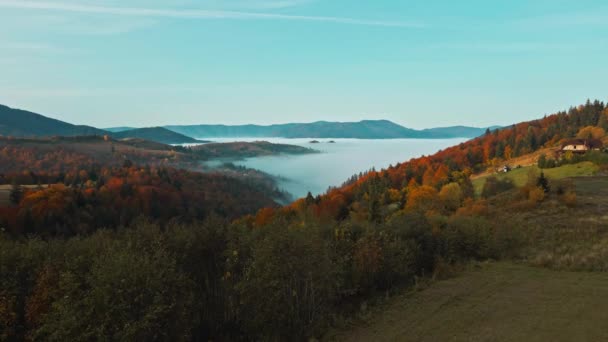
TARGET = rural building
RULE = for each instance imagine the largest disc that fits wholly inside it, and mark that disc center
(582, 145)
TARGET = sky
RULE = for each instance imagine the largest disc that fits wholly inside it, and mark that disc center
(418, 63)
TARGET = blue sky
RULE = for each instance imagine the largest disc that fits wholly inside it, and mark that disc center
(419, 63)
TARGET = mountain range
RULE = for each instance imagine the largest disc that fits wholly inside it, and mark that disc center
(20, 123)
(366, 129)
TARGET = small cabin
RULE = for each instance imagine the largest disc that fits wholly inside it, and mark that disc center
(582, 145)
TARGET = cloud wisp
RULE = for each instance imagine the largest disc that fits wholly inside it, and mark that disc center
(193, 13)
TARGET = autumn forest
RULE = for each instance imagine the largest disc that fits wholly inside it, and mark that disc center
(134, 243)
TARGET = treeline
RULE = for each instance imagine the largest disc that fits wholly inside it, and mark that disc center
(286, 280)
(81, 202)
(30, 161)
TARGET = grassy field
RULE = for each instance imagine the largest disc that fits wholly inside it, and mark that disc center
(565, 238)
(520, 176)
(495, 302)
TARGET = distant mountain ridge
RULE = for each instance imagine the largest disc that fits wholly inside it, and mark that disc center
(21, 123)
(366, 129)
(456, 131)
(118, 129)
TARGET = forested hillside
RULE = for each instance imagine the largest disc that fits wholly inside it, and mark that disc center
(285, 273)
(16, 122)
(158, 134)
(423, 178)
(239, 150)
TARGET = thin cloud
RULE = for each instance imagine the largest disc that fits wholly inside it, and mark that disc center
(586, 19)
(192, 13)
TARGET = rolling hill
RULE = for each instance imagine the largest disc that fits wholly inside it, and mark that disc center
(366, 129)
(157, 134)
(21, 123)
(455, 132)
(118, 129)
(239, 150)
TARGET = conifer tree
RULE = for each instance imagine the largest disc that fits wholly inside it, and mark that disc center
(543, 182)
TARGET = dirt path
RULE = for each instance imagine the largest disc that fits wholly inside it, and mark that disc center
(526, 160)
(497, 302)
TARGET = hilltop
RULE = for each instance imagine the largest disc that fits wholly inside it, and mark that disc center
(240, 150)
(20, 123)
(158, 134)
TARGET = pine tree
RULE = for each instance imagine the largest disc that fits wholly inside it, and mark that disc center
(543, 182)
(310, 200)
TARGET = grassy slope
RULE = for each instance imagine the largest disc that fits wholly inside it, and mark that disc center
(567, 238)
(561, 301)
(520, 176)
(497, 302)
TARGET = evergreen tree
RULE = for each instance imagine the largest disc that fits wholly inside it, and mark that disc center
(310, 200)
(543, 182)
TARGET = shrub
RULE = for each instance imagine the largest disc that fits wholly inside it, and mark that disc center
(569, 199)
(536, 195)
(466, 238)
(473, 208)
(494, 186)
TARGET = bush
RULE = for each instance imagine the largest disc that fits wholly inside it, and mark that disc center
(536, 195)
(495, 186)
(569, 199)
(466, 238)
